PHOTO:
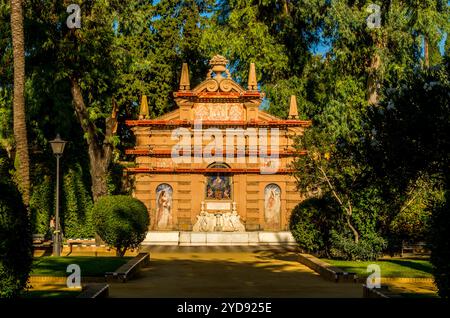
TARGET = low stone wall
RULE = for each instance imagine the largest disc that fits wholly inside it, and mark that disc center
(128, 270)
(326, 270)
(95, 291)
(219, 238)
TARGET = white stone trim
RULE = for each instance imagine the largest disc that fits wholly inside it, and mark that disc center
(219, 238)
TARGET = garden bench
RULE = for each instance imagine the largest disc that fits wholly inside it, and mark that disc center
(72, 242)
(39, 241)
(130, 268)
(418, 248)
(38, 238)
(346, 276)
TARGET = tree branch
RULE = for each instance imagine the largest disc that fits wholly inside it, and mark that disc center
(348, 210)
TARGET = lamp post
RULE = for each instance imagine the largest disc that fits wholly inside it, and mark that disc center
(58, 149)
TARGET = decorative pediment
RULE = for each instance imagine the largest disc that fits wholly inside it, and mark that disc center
(218, 78)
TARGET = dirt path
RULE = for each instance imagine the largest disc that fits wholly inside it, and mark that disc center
(229, 272)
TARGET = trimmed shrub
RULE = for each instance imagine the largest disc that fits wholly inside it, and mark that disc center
(310, 224)
(15, 235)
(318, 226)
(369, 247)
(121, 221)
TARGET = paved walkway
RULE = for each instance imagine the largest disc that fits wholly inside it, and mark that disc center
(229, 272)
(426, 288)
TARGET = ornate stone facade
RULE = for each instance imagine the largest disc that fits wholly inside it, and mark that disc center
(216, 176)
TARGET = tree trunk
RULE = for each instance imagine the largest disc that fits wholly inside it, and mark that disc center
(286, 7)
(372, 80)
(100, 151)
(120, 252)
(99, 174)
(20, 128)
(426, 51)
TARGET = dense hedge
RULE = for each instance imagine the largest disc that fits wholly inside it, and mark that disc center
(15, 235)
(76, 205)
(440, 246)
(369, 247)
(311, 224)
(42, 204)
(121, 221)
(318, 226)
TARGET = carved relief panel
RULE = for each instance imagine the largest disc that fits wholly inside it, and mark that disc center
(222, 111)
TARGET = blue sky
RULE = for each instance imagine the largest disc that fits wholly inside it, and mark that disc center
(322, 48)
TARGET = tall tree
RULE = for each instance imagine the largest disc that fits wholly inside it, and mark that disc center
(408, 139)
(20, 127)
(121, 51)
(85, 62)
(279, 37)
(360, 64)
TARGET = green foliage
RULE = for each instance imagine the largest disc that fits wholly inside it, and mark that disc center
(6, 133)
(42, 205)
(440, 246)
(412, 223)
(408, 141)
(15, 235)
(311, 223)
(318, 226)
(369, 247)
(121, 221)
(115, 179)
(276, 36)
(335, 89)
(76, 205)
(407, 138)
(6, 65)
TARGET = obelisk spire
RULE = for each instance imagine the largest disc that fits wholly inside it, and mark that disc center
(252, 83)
(185, 84)
(143, 111)
(293, 111)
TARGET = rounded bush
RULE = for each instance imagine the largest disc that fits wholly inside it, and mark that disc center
(15, 235)
(121, 221)
(310, 224)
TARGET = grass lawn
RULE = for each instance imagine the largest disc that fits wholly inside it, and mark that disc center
(412, 268)
(90, 266)
(51, 294)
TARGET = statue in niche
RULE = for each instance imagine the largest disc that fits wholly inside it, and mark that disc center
(272, 206)
(164, 207)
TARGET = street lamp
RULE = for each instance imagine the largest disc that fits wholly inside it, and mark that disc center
(58, 149)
